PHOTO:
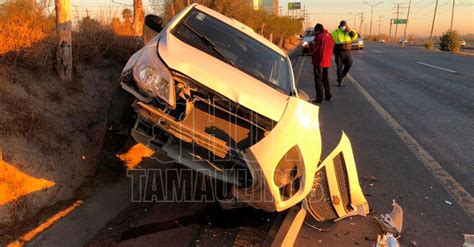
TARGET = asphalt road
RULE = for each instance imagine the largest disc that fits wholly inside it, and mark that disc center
(412, 133)
(435, 106)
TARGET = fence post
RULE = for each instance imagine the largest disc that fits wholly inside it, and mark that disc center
(64, 47)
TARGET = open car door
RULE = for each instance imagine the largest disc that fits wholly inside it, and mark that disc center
(336, 192)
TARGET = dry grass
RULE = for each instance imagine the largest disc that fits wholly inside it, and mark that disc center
(29, 38)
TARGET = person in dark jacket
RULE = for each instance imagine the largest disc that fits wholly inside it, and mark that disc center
(322, 48)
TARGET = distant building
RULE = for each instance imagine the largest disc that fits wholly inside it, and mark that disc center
(271, 6)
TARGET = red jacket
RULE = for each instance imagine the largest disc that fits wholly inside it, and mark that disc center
(322, 47)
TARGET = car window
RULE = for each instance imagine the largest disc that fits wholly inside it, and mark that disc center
(242, 51)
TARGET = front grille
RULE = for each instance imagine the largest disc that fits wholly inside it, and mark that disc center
(342, 181)
(319, 199)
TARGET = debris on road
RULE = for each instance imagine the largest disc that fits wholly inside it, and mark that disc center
(393, 222)
(387, 240)
(448, 202)
(468, 240)
(369, 178)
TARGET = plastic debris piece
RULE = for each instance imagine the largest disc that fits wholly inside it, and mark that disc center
(369, 178)
(468, 240)
(387, 240)
(448, 202)
(317, 228)
(393, 222)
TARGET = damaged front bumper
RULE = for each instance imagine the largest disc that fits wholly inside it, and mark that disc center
(279, 171)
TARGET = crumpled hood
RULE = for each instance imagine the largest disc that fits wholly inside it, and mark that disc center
(222, 77)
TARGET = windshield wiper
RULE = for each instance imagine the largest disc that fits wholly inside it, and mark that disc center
(210, 44)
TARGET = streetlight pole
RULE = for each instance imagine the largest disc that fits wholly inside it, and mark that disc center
(371, 14)
(406, 24)
(434, 18)
(452, 16)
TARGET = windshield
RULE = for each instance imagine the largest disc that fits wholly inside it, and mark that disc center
(226, 43)
(309, 33)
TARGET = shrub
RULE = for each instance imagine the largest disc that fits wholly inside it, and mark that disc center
(97, 43)
(25, 33)
(450, 41)
(429, 44)
(29, 39)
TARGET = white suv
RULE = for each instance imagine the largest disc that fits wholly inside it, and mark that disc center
(221, 99)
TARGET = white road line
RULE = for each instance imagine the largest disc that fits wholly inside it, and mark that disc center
(457, 191)
(436, 67)
(376, 51)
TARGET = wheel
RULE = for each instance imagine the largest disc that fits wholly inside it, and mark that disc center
(120, 120)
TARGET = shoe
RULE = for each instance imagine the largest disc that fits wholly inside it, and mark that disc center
(328, 98)
(317, 101)
(339, 82)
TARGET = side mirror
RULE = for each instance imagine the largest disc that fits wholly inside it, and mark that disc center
(154, 22)
(301, 36)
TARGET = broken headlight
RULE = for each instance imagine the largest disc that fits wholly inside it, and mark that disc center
(288, 173)
(154, 78)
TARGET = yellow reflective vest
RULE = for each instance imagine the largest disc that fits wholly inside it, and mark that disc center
(341, 37)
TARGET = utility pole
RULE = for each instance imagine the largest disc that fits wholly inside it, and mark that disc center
(64, 47)
(434, 18)
(406, 24)
(396, 24)
(371, 14)
(355, 17)
(380, 22)
(361, 22)
(452, 16)
(138, 17)
(390, 32)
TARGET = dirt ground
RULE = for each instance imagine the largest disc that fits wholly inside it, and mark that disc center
(49, 131)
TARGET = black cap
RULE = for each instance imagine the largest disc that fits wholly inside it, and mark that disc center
(319, 27)
(343, 23)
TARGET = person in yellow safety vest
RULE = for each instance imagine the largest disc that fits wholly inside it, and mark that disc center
(343, 37)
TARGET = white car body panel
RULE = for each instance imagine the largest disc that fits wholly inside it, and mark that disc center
(299, 126)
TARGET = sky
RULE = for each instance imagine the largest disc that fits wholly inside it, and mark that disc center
(330, 12)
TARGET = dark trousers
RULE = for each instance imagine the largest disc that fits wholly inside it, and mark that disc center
(321, 79)
(343, 63)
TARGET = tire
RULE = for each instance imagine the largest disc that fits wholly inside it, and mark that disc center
(120, 120)
(112, 142)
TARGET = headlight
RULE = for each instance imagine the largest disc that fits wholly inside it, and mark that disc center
(154, 78)
(154, 83)
(305, 43)
(288, 173)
